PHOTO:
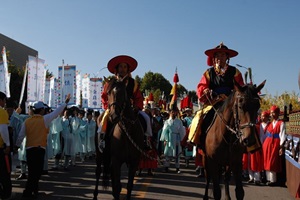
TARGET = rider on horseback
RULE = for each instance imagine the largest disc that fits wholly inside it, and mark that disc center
(122, 66)
(215, 85)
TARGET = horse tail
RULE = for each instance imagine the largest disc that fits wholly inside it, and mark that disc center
(106, 163)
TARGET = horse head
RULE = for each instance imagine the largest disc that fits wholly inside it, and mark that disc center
(246, 106)
(117, 98)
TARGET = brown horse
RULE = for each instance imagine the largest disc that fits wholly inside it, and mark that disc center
(123, 140)
(230, 132)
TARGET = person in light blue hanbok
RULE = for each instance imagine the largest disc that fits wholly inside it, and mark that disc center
(172, 134)
(83, 134)
(22, 149)
(91, 130)
(75, 123)
(55, 131)
(68, 139)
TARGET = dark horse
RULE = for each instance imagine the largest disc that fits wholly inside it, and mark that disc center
(231, 131)
(123, 140)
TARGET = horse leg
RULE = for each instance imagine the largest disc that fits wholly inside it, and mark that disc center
(131, 172)
(237, 174)
(226, 181)
(207, 177)
(116, 179)
(212, 173)
(98, 173)
(216, 182)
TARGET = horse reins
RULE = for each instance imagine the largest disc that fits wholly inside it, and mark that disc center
(123, 127)
(238, 127)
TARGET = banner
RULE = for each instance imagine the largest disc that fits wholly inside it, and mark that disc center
(36, 79)
(78, 88)
(95, 93)
(69, 85)
(85, 90)
(47, 91)
(4, 79)
(53, 93)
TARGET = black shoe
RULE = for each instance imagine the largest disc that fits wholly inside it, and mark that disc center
(201, 174)
(187, 162)
(257, 182)
(178, 171)
(166, 170)
(22, 176)
(138, 173)
(54, 168)
(28, 195)
(66, 169)
(45, 172)
(271, 184)
(251, 181)
(150, 173)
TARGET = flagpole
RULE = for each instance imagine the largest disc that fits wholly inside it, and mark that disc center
(23, 85)
(36, 81)
(62, 80)
(4, 58)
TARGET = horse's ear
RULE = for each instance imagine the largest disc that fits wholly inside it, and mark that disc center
(260, 86)
(237, 86)
(105, 79)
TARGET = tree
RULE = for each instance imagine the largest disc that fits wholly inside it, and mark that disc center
(16, 79)
(155, 81)
(49, 74)
(282, 100)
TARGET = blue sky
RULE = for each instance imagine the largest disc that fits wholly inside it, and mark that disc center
(162, 35)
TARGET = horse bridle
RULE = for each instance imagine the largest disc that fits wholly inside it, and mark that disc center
(237, 131)
(239, 127)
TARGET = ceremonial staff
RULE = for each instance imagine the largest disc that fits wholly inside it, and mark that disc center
(23, 85)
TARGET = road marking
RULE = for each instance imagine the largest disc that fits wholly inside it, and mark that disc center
(143, 187)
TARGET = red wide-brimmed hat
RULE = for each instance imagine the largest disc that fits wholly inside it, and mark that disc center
(275, 108)
(113, 63)
(220, 48)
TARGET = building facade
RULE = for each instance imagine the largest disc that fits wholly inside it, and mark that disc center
(18, 52)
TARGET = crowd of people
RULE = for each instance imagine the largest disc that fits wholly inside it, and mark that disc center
(67, 134)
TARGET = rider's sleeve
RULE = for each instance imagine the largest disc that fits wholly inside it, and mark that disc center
(203, 84)
(104, 97)
(138, 100)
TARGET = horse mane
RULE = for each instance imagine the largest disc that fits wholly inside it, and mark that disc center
(248, 89)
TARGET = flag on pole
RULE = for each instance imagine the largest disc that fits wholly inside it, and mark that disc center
(23, 84)
(36, 79)
(95, 90)
(5, 87)
(67, 80)
(174, 91)
(78, 89)
(85, 86)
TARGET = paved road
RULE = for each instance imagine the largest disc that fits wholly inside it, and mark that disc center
(78, 183)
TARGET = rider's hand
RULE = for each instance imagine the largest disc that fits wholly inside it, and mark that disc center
(68, 98)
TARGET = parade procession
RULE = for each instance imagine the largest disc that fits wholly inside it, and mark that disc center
(62, 126)
(154, 100)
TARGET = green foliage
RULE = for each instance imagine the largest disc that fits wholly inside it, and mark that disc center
(16, 79)
(155, 81)
(49, 74)
(282, 100)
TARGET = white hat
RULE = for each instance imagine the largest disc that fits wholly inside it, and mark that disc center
(38, 105)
